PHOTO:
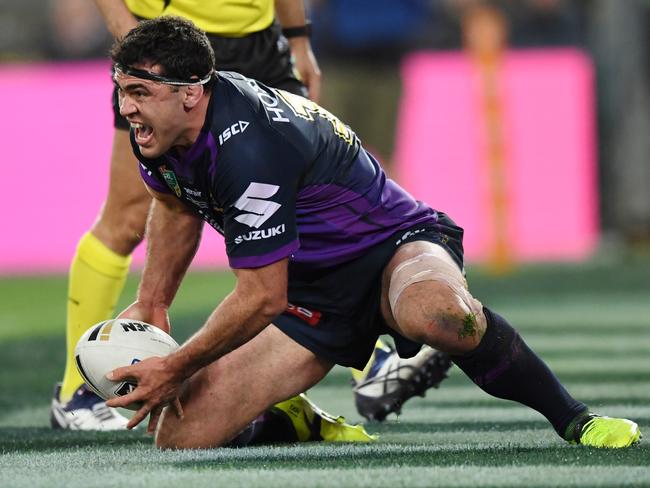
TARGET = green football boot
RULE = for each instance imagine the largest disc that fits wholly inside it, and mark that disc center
(605, 432)
(313, 424)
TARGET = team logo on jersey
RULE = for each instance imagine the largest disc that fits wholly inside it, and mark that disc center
(170, 178)
(255, 204)
(236, 128)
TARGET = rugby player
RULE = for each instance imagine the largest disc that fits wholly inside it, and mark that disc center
(328, 254)
(246, 39)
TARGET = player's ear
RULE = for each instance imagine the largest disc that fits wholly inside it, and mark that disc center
(193, 94)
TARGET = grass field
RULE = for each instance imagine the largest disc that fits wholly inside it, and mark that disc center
(590, 322)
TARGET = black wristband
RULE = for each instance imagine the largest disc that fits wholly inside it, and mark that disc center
(298, 31)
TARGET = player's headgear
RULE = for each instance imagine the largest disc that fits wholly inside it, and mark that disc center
(148, 75)
(182, 51)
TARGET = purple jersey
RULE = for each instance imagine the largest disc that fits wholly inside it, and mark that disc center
(279, 176)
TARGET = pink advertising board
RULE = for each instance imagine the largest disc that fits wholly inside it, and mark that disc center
(56, 134)
(547, 136)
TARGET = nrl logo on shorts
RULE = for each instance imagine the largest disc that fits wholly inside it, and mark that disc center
(170, 179)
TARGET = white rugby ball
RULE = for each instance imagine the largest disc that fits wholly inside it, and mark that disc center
(115, 343)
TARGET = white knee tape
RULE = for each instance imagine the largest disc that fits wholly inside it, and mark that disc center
(427, 267)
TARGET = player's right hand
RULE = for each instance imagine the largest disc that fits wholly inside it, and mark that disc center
(158, 385)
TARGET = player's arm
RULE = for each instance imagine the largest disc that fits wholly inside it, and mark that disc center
(259, 296)
(119, 20)
(291, 14)
(173, 235)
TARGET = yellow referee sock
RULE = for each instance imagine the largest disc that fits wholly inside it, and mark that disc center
(97, 277)
(357, 374)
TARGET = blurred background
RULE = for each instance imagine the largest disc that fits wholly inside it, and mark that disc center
(527, 121)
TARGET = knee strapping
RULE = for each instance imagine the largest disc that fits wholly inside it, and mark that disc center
(428, 267)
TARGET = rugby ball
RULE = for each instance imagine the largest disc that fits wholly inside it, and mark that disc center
(115, 343)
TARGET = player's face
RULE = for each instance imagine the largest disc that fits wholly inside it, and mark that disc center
(154, 110)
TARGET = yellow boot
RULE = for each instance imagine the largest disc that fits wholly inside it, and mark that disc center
(313, 424)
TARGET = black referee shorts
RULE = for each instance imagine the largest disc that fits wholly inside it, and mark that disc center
(264, 56)
(335, 312)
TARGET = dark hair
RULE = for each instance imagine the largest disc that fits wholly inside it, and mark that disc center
(177, 45)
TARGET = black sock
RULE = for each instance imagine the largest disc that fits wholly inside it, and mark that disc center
(505, 367)
(268, 428)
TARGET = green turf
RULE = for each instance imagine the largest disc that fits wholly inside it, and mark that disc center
(590, 322)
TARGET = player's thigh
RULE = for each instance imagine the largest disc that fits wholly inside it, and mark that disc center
(221, 399)
(123, 217)
(425, 298)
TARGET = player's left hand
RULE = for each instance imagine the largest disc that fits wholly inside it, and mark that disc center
(154, 315)
(158, 386)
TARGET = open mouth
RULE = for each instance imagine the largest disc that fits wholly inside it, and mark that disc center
(143, 133)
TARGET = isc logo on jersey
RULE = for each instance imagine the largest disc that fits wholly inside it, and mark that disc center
(233, 130)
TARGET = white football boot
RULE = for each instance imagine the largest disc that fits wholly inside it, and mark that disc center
(391, 380)
(85, 411)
